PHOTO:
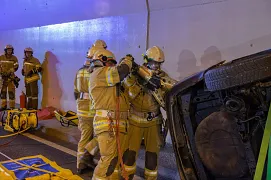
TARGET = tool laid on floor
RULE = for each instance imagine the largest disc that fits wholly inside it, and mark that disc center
(34, 168)
(66, 118)
(19, 119)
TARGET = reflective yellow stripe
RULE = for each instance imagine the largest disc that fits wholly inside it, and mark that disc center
(109, 76)
(7, 62)
(150, 173)
(106, 123)
(86, 113)
(130, 169)
(138, 119)
(28, 63)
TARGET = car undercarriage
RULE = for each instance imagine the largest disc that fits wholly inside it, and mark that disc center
(217, 118)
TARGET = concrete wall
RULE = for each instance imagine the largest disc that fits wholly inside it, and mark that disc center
(193, 33)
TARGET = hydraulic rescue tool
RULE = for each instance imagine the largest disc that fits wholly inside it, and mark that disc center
(19, 119)
(159, 88)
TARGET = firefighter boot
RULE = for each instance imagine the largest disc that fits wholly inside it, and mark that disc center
(81, 168)
(86, 160)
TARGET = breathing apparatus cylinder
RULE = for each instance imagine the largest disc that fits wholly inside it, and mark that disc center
(144, 72)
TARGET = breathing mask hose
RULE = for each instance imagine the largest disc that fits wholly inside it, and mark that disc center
(124, 173)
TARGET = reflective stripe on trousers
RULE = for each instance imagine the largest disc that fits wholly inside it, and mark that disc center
(85, 113)
(150, 173)
(130, 169)
(100, 126)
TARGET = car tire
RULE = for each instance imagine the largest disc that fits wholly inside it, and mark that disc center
(239, 72)
(220, 146)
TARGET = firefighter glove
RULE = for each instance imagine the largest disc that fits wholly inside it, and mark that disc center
(16, 81)
(154, 83)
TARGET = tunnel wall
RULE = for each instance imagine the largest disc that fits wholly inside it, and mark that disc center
(194, 34)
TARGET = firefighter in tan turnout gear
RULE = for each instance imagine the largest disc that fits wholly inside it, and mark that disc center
(8, 67)
(85, 113)
(110, 121)
(145, 117)
(31, 70)
(92, 148)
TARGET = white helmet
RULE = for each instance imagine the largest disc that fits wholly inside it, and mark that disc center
(104, 55)
(92, 51)
(100, 43)
(154, 54)
(28, 49)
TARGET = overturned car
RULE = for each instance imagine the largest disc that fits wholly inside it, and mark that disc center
(217, 118)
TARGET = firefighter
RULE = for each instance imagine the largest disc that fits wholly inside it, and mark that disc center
(85, 115)
(31, 70)
(87, 146)
(92, 147)
(145, 118)
(104, 86)
(9, 65)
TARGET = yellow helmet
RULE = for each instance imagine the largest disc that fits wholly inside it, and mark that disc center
(100, 43)
(154, 54)
(104, 55)
(92, 51)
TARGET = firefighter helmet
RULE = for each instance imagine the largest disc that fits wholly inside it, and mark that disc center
(100, 43)
(92, 51)
(9, 47)
(154, 54)
(104, 55)
(28, 49)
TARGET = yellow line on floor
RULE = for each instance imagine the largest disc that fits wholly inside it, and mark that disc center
(51, 144)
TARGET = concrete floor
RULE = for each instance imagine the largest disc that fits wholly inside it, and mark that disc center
(68, 137)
